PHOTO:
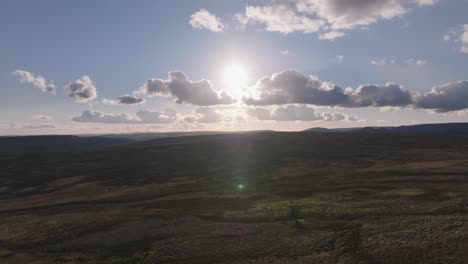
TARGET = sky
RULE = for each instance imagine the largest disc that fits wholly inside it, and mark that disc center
(114, 66)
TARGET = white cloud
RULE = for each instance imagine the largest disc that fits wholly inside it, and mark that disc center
(285, 52)
(183, 90)
(331, 17)
(464, 49)
(204, 19)
(279, 18)
(295, 113)
(459, 36)
(345, 14)
(464, 36)
(464, 39)
(382, 62)
(410, 61)
(82, 90)
(332, 35)
(417, 62)
(141, 117)
(36, 80)
(340, 58)
(426, 2)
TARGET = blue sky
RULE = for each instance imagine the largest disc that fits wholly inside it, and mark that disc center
(120, 45)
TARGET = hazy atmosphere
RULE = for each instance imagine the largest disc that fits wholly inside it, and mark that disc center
(79, 67)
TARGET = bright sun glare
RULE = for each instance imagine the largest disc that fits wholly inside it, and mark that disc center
(235, 78)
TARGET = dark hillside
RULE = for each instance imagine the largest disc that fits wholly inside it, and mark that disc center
(241, 198)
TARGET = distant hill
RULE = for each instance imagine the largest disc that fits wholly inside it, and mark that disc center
(70, 143)
(157, 135)
(422, 128)
(55, 143)
(13, 145)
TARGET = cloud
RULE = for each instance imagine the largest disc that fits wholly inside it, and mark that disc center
(464, 49)
(417, 62)
(124, 100)
(91, 116)
(183, 90)
(43, 117)
(285, 52)
(410, 61)
(295, 113)
(464, 39)
(39, 126)
(331, 17)
(382, 62)
(345, 14)
(36, 80)
(208, 115)
(141, 117)
(426, 2)
(148, 117)
(204, 19)
(82, 90)
(379, 96)
(205, 115)
(292, 87)
(448, 97)
(340, 58)
(458, 36)
(279, 18)
(332, 35)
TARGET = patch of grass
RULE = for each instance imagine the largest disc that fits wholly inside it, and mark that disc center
(404, 192)
(144, 257)
(296, 210)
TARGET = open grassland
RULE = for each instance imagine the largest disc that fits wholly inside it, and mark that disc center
(241, 198)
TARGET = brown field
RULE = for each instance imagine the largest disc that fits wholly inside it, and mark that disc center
(241, 198)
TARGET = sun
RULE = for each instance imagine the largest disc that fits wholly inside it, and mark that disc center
(235, 78)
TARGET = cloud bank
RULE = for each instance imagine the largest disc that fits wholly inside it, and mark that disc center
(295, 113)
(292, 87)
(141, 117)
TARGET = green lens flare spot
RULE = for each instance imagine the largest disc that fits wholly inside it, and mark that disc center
(240, 186)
